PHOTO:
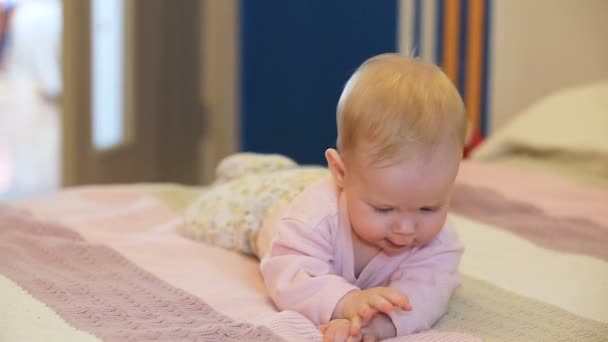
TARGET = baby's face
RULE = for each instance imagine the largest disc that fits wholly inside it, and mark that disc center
(397, 207)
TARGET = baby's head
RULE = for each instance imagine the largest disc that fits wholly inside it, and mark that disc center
(401, 133)
(395, 106)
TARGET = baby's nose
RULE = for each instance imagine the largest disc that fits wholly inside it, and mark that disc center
(407, 226)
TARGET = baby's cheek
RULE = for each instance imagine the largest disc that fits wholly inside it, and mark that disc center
(432, 228)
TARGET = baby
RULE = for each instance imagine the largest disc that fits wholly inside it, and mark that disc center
(365, 251)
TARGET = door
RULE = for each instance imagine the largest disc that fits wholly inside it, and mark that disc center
(152, 100)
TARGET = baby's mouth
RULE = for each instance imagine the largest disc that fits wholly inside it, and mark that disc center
(399, 245)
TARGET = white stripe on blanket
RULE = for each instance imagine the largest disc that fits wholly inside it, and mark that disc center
(24, 318)
(575, 283)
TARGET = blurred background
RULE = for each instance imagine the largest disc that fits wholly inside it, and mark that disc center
(116, 91)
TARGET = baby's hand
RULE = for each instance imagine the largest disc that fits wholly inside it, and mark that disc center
(337, 330)
(359, 306)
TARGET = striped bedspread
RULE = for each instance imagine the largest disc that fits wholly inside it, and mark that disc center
(105, 263)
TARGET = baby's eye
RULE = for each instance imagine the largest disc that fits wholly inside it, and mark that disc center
(428, 209)
(383, 210)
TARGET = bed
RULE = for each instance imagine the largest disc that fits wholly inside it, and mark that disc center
(107, 263)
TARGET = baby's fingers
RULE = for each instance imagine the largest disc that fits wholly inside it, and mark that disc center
(397, 298)
(381, 304)
(334, 334)
(341, 333)
(366, 312)
(355, 326)
(336, 330)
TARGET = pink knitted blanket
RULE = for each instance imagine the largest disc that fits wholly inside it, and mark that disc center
(116, 268)
(96, 289)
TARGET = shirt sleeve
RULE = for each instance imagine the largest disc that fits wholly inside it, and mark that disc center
(428, 278)
(298, 271)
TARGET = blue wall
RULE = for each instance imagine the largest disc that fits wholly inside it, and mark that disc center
(296, 57)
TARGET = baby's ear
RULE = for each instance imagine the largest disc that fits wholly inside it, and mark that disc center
(336, 166)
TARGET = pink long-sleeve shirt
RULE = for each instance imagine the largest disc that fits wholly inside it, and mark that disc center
(310, 265)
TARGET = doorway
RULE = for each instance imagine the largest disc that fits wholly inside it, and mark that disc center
(125, 106)
(30, 92)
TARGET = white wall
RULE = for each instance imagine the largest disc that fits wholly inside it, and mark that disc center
(536, 47)
(542, 45)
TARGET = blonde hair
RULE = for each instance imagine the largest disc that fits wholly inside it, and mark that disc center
(396, 103)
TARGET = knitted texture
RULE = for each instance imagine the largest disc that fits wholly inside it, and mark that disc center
(565, 234)
(482, 309)
(98, 290)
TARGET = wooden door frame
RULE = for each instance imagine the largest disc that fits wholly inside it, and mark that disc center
(76, 64)
(220, 83)
(162, 103)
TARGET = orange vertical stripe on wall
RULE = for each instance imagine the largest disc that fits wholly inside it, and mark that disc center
(451, 39)
(474, 69)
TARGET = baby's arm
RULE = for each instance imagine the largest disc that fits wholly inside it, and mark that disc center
(428, 278)
(298, 271)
